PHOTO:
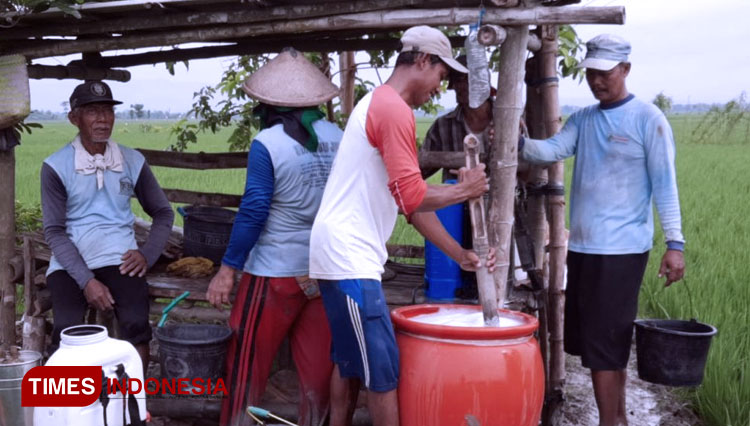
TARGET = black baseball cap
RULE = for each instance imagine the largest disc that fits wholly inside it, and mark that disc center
(92, 91)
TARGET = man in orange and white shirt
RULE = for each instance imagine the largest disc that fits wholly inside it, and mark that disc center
(374, 177)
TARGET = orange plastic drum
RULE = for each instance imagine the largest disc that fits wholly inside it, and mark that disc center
(456, 376)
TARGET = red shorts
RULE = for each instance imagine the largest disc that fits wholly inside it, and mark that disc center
(264, 312)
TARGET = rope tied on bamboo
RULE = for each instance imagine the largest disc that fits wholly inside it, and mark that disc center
(547, 81)
(503, 165)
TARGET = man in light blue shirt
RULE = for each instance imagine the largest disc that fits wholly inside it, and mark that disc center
(624, 158)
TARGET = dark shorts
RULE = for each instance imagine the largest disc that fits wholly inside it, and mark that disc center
(601, 302)
(364, 345)
(131, 303)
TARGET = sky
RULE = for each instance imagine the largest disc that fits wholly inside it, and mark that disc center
(692, 51)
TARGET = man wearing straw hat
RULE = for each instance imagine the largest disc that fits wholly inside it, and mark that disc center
(624, 153)
(288, 165)
(88, 223)
(375, 176)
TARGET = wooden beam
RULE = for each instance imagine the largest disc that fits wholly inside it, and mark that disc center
(214, 17)
(407, 251)
(304, 44)
(367, 21)
(348, 69)
(202, 198)
(238, 160)
(76, 72)
(444, 160)
(7, 246)
(198, 161)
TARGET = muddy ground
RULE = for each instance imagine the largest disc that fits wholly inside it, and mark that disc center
(647, 404)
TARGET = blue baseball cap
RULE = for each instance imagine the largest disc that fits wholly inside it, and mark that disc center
(605, 51)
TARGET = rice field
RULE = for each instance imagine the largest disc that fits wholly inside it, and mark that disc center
(714, 183)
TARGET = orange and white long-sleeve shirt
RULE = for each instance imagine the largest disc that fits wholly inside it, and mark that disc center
(374, 176)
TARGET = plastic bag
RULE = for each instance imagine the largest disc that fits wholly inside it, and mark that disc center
(479, 73)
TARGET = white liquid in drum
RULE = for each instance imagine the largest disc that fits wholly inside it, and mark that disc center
(461, 317)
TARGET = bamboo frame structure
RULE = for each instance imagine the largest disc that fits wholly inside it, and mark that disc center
(76, 72)
(367, 22)
(327, 27)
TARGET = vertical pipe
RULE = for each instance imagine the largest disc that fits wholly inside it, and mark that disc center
(7, 246)
(504, 152)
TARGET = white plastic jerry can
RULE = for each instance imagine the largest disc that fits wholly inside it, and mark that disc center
(89, 345)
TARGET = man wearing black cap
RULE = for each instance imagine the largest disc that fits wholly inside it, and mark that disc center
(448, 131)
(88, 222)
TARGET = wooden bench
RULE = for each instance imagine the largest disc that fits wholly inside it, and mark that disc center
(402, 285)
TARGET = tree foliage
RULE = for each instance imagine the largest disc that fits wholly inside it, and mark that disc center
(21, 8)
(663, 102)
(226, 105)
(136, 110)
(569, 49)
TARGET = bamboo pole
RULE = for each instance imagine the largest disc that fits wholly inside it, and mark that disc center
(536, 179)
(7, 246)
(348, 72)
(325, 68)
(76, 72)
(34, 331)
(537, 175)
(122, 23)
(238, 160)
(276, 44)
(485, 281)
(504, 153)
(368, 22)
(556, 209)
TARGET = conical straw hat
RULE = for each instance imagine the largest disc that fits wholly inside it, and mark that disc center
(290, 80)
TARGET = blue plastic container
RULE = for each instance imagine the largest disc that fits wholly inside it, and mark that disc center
(442, 275)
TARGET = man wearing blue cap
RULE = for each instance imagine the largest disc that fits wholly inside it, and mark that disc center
(624, 153)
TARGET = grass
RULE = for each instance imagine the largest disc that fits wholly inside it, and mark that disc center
(713, 182)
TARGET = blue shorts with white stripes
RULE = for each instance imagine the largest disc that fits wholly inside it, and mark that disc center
(364, 345)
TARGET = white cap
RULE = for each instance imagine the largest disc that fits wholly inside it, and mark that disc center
(430, 40)
(605, 51)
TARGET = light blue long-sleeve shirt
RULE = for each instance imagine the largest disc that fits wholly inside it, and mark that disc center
(624, 158)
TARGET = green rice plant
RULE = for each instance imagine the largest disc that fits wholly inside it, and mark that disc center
(712, 182)
(720, 124)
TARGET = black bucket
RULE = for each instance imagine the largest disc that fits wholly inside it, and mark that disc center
(207, 231)
(192, 350)
(672, 352)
